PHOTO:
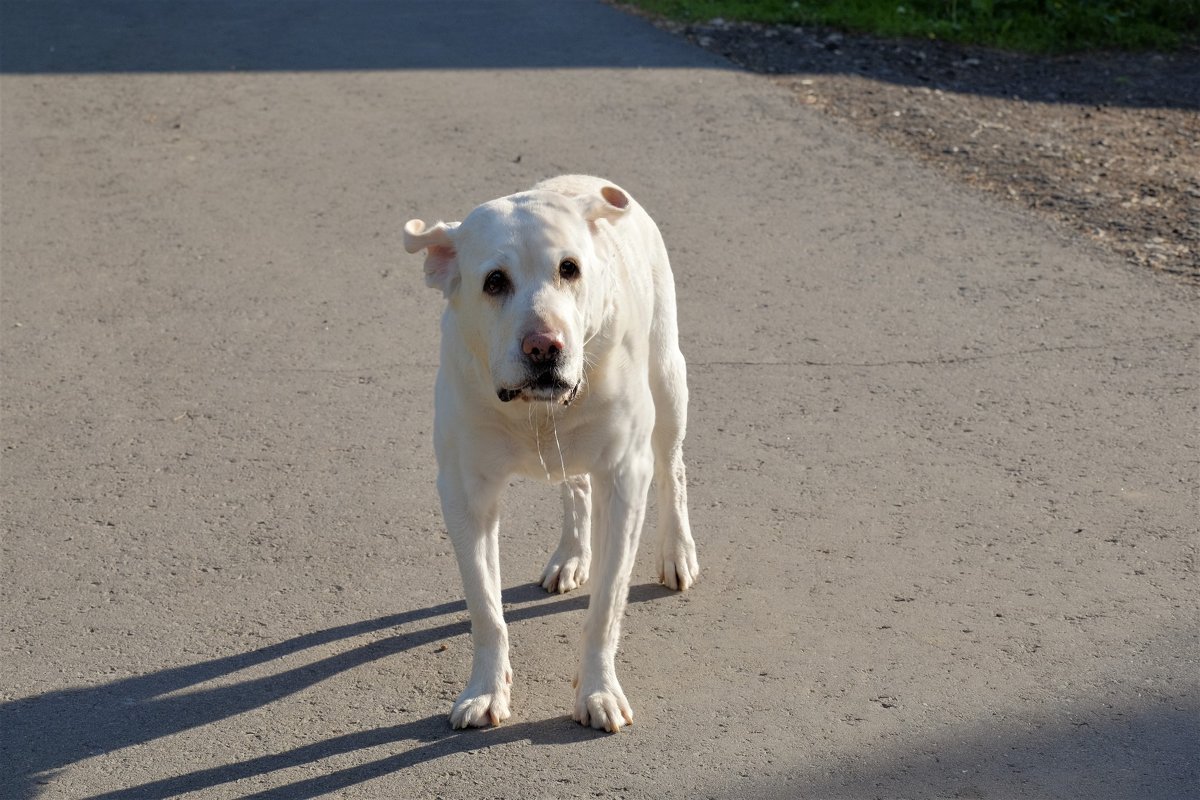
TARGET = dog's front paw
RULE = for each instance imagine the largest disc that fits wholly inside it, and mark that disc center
(565, 571)
(602, 706)
(678, 567)
(478, 709)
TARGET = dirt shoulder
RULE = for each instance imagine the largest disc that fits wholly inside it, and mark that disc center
(1108, 144)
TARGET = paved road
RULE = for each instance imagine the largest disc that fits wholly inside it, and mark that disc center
(944, 458)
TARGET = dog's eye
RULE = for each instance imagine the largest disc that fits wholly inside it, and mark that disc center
(568, 270)
(496, 283)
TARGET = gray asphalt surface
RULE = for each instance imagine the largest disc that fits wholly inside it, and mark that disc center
(943, 458)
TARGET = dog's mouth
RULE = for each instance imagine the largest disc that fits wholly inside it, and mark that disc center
(546, 388)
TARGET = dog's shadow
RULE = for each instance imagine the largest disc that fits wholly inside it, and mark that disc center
(45, 733)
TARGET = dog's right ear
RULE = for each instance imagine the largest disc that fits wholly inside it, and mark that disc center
(441, 256)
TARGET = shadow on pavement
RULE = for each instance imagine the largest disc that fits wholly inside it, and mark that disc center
(433, 740)
(73, 36)
(1150, 753)
(48, 732)
(1127, 79)
(122, 36)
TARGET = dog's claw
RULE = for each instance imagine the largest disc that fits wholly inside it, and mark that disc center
(674, 577)
(604, 710)
(678, 567)
(480, 710)
(565, 573)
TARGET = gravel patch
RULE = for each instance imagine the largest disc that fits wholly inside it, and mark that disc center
(1106, 143)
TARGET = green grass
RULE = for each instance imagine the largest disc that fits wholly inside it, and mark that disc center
(1042, 26)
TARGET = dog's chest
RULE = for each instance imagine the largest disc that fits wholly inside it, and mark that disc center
(548, 448)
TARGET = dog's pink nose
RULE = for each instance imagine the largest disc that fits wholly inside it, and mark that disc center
(542, 345)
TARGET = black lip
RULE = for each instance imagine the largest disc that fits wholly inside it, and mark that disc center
(549, 384)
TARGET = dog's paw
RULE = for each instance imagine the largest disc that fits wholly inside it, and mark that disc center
(565, 572)
(476, 709)
(602, 707)
(678, 567)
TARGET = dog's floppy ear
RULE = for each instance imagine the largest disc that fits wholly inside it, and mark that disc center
(441, 257)
(609, 203)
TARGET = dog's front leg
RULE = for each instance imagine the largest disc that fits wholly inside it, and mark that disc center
(470, 506)
(619, 507)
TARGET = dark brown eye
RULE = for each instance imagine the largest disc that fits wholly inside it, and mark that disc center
(496, 283)
(568, 270)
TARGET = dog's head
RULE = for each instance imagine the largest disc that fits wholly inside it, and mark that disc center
(527, 285)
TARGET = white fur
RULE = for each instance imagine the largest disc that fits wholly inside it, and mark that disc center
(604, 440)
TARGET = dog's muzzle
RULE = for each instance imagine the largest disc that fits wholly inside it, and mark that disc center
(543, 353)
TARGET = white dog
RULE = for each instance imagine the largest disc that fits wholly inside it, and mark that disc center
(560, 360)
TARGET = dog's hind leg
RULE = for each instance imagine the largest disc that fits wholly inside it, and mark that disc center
(568, 567)
(678, 567)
